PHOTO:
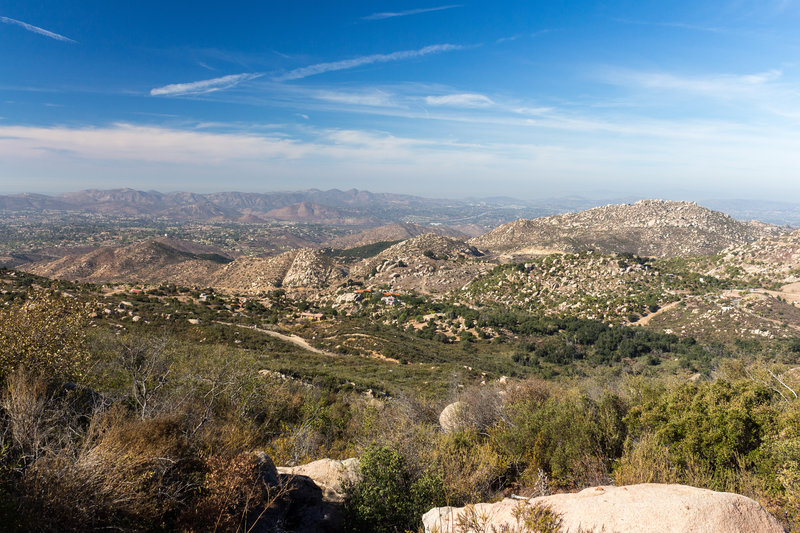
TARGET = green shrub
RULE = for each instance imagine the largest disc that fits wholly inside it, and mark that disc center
(571, 437)
(713, 424)
(388, 498)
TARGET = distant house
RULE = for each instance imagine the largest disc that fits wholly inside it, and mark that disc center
(203, 297)
(389, 300)
(136, 291)
(312, 317)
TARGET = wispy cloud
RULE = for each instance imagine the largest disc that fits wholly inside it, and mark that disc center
(206, 66)
(203, 86)
(678, 25)
(460, 100)
(722, 86)
(37, 29)
(536, 111)
(374, 97)
(389, 14)
(321, 68)
(520, 35)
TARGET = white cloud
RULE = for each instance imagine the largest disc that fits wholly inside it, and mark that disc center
(203, 86)
(37, 29)
(387, 15)
(321, 68)
(373, 98)
(144, 143)
(460, 100)
(639, 155)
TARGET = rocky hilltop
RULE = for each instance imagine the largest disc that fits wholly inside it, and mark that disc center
(652, 228)
(428, 263)
(303, 268)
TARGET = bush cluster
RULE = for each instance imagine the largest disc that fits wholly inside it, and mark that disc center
(135, 432)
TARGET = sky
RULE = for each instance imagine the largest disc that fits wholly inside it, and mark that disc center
(527, 99)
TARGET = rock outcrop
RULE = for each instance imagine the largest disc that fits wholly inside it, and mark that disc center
(311, 269)
(645, 508)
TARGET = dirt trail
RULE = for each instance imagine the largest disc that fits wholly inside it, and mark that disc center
(646, 319)
(298, 341)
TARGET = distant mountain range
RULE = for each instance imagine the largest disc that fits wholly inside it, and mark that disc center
(352, 207)
(334, 207)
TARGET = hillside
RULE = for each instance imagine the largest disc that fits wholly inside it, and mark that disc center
(648, 228)
(310, 212)
(151, 261)
(769, 261)
(585, 285)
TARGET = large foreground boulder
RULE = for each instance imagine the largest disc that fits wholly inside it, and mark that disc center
(645, 508)
(329, 475)
(309, 497)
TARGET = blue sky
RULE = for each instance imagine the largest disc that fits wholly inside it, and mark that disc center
(530, 99)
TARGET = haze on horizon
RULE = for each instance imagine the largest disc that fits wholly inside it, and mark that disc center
(686, 100)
